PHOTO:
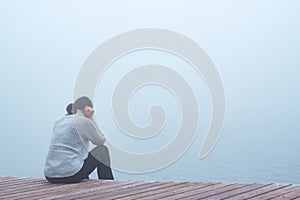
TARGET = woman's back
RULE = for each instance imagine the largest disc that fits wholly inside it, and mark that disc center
(66, 152)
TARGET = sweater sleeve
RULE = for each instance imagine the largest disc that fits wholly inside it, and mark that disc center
(89, 130)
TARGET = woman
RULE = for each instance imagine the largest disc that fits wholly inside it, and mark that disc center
(68, 159)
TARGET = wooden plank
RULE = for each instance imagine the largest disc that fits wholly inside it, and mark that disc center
(22, 188)
(274, 193)
(216, 191)
(13, 180)
(5, 178)
(295, 194)
(142, 194)
(68, 189)
(174, 192)
(10, 187)
(114, 194)
(81, 190)
(196, 191)
(263, 190)
(46, 188)
(236, 191)
(88, 191)
(122, 191)
(33, 190)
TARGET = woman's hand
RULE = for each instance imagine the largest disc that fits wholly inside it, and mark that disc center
(88, 112)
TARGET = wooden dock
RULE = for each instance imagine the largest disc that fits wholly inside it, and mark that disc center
(38, 188)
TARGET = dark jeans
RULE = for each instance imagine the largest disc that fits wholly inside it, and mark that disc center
(90, 164)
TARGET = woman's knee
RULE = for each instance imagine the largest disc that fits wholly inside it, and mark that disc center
(101, 154)
(100, 149)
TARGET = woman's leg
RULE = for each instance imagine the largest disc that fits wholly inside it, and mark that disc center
(97, 158)
(87, 168)
(100, 157)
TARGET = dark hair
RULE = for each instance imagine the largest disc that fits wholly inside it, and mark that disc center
(69, 109)
(81, 102)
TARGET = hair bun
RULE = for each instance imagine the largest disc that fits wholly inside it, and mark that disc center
(69, 109)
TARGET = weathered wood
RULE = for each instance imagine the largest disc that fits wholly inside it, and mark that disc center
(211, 193)
(102, 193)
(294, 194)
(260, 191)
(66, 189)
(138, 194)
(89, 190)
(198, 191)
(167, 192)
(125, 191)
(38, 188)
(235, 191)
(275, 193)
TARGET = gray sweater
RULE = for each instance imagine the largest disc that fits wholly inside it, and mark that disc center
(69, 145)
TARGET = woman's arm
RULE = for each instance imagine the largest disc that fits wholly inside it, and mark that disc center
(89, 129)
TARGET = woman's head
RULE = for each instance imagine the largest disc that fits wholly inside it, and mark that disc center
(81, 103)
